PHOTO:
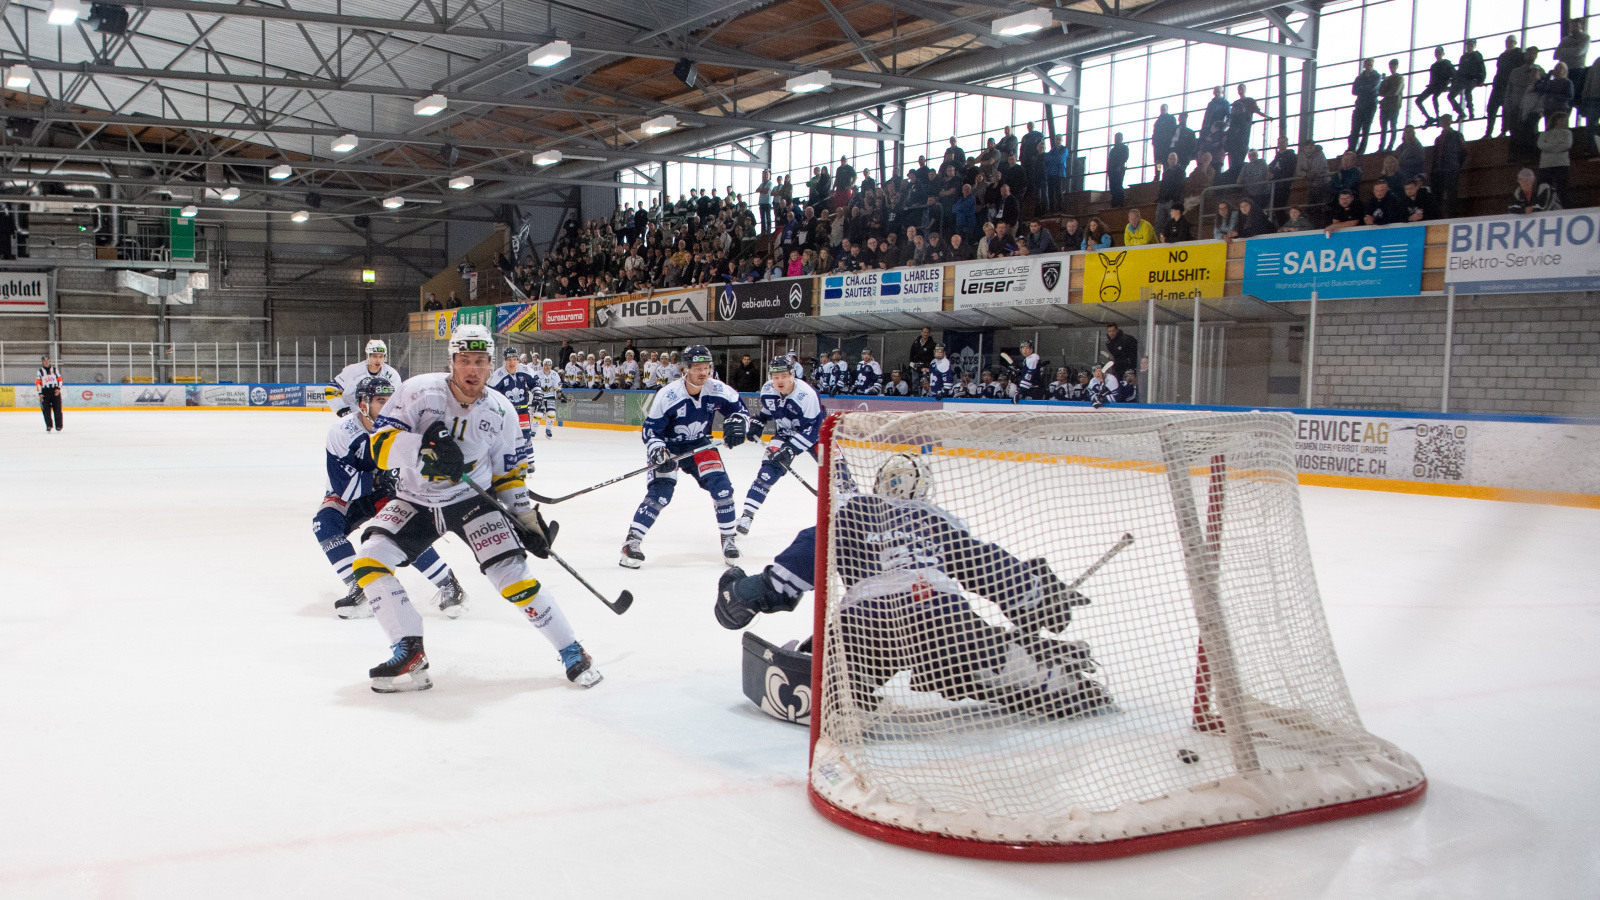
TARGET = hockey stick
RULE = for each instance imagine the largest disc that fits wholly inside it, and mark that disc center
(597, 396)
(803, 482)
(1116, 548)
(622, 602)
(540, 498)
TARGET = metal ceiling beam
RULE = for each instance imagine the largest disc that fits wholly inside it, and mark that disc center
(930, 84)
(1197, 35)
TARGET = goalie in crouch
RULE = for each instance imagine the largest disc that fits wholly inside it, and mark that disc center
(440, 429)
(908, 568)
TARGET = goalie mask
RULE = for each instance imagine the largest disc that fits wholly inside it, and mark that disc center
(472, 339)
(903, 477)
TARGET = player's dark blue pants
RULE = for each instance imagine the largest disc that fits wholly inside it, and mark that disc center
(335, 522)
(705, 466)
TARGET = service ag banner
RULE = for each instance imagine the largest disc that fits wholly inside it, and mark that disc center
(1355, 262)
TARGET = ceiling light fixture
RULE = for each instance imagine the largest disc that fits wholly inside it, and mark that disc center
(547, 158)
(64, 12)
(18, 77)
(189, 212)
(344, 143)
(461, 182)
(1022, 23)
(300, 215)
(550, 54)
(394, 202)
(230, 194)
(431, 105)
(660, 124)
(280, 172)
(807, 83)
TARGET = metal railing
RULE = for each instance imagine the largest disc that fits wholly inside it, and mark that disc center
(296, 360)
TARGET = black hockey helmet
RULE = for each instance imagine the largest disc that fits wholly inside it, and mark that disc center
(780, 364)
(696, 353)
(510, 353)
(374, 386)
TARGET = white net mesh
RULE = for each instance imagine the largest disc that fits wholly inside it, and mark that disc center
(973, 688)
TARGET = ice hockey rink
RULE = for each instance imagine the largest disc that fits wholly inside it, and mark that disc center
(183, 715)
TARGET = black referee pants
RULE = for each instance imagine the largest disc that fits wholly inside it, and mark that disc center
(50, 401)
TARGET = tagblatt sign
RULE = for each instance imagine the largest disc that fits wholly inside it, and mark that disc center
(919, 289)
(1162, 272)
(657, 309)
(572, 313)
(1354, 262)
(1552, 251)
(764, 299)
(25, 290)
(1013, 281)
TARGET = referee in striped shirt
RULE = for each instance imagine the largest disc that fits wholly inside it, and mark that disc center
(48, 381)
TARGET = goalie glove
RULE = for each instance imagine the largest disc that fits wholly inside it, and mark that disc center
(661, 458)
(441, 455)
(781, 455)
(734, 430)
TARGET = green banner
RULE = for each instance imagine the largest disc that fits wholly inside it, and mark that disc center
(476, 315)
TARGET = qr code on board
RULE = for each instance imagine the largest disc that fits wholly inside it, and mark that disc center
(1441, 453)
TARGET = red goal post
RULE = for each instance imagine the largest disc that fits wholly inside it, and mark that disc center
(1225, 712)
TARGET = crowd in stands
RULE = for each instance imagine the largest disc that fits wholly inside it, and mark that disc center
(927, 372)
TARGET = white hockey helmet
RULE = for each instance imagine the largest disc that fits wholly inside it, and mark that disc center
(471, 339)
(548, 363)
(377, 346)
(903, 477)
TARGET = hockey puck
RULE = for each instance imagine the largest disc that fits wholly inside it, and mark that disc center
(1189, 756)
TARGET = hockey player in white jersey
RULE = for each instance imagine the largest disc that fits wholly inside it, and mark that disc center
(341, 394)
(441, 429)
(572, 375)
(355, 490)
(679, 421)
(796, 411)
(549, 382)
(629, 370)
(521, 388)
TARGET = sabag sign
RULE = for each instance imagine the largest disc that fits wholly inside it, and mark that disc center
(682, 306)
(25, 290)
(1355, 262)
(1013, 281)
(764, 299)
(1553, 251)
(1162, 272)
(918, 289)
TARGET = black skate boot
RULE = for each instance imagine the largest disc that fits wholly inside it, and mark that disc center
(730, 549)
(353, 605)
(632, 556)
(580, 666)
(452, 599)
(408, 660)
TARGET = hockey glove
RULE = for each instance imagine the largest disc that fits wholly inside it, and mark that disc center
(441, 456)
(537, 534)
(344, 412)
(661, 458)
(734, 430)
(781, 456)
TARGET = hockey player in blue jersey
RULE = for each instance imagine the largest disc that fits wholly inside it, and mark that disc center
(942, 374)
(832, 375)
(356, 490)
(521, 388)
(869, 375)
(907, 567)
(679, 421)
(794, 408)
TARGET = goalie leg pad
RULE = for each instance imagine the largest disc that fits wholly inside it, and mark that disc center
(777, 680)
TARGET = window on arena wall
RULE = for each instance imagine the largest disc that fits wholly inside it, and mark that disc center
(1124, 91)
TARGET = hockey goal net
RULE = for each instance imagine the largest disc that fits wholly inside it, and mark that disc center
(1077, 636)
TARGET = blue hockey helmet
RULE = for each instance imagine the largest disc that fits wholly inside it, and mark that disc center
(696, 353)
(374, 386)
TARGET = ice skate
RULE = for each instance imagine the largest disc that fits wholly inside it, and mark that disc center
(730, 549)
(580, 666)
(549, 433)
(408, 660)
(743, 525)
(353, 605)
(451, 599)
(632, 556)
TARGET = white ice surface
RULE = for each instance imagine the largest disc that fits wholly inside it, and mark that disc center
(181, 715)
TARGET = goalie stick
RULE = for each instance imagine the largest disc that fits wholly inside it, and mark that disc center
(540, 498)
(1116, 548)
(622, 602)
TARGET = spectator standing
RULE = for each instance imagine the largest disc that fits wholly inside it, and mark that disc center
(920, 357)
(965, 212)
(1031, 156)
(1365, 89)
(1138, 232)
(1412, 158)
(1282, 169)
(454, 302)
(1555, 92)
(1470, 75)
(1116, 168)
(1241, 119)
(1589, 111)
(1175, 228)
(1216, 111)
(1214, 143)
(1170, 193)
(1449, 158)
(48, 383)
(1391, 93)
(1531, 195)
(844, 177)
(1123, 348)
(1441, 76)
(1052, 177)
(1313, 168)
(1253, 178)
(432, 303)
(1186, 143)
(1007, 145)
(1161, 135)
(1574, 50)
(1523, 105)
(1203, 176)
(1555, 157)
(764, 200)
(1010, 211)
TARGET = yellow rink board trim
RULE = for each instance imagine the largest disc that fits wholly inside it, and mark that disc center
(1465, 491)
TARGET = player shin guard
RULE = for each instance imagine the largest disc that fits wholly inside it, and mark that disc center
(517, 585)
(392, 607)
